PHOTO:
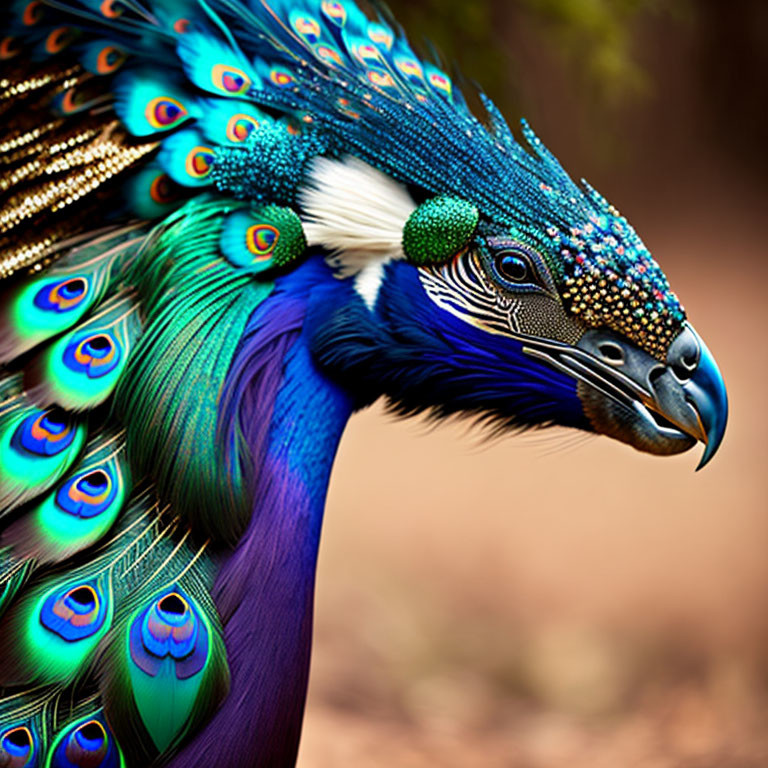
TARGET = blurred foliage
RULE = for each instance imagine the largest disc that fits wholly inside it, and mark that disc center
(594, 36)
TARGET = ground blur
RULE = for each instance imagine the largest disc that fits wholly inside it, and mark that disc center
(547, 601)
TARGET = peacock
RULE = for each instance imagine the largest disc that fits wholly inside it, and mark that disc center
(227, 225)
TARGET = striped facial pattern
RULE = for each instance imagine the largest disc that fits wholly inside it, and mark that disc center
(505, 288)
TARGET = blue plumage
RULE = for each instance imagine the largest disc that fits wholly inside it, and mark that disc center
(228, 224)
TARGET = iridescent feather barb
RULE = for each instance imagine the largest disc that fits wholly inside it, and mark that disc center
(225, 225)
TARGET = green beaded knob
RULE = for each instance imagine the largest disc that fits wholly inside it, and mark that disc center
(438, 229)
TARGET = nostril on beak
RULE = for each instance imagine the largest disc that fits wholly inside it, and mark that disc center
(655, 374)
(684, 354)
(684, 367)
(612, 353)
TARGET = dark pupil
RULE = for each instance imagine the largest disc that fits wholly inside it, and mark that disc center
(91, 732)
(54, 421)
(18, 737)
(99, 343)
(512, 267)
(82, 596)
(172, 604)
(95, 482)
(73, 288)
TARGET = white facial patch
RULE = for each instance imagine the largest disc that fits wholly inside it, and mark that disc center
(357, 213)
(368, 283)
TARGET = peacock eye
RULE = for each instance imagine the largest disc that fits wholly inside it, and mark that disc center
(514, 267)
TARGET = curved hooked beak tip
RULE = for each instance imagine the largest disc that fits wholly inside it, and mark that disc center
(674, 403)
(705, 391)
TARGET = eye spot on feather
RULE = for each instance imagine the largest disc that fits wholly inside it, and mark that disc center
(33, 13)
(169, 628)
(329, 55)
(44, 433)
(230, 80)
(280, 77)
(111, 9)
(380, 79)
(261, 240)
(440, 83)
(411, 69)
(165, 112)
(308, 28)
(70, 101)
(88, 494)
(335, 11)
(381, 36)
(8, 48)
(62, 296)
(59, 39)
(75, 612)
(109, 60)
(87, 745)
(367, 55)
(163, 190)
(17, 747)
(94, 355)
(240, 127)
(181, 26)
(199, 162)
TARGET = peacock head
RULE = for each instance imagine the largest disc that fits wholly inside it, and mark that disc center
(524, 299)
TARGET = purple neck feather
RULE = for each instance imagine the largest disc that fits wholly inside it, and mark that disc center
(291, 419)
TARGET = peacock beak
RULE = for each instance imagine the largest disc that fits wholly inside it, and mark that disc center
(692, 364)
(658, 407)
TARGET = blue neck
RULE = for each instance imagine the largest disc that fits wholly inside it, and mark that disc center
(265, 590)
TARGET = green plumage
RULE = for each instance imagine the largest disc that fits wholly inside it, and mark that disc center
(197, 306)
(151, 713)
(79, 511)
(81, 369)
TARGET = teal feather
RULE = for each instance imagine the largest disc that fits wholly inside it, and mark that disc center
(14, 573)
(81, 369)
(102, 57)
(170, 648)
(229, 122)
(187, 158)
(148, 103)
(215, 67)
(259, 239)
(152, 193)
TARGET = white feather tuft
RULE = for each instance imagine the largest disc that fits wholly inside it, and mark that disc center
(355, 211)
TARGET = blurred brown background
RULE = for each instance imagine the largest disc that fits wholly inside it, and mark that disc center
(547, 601)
